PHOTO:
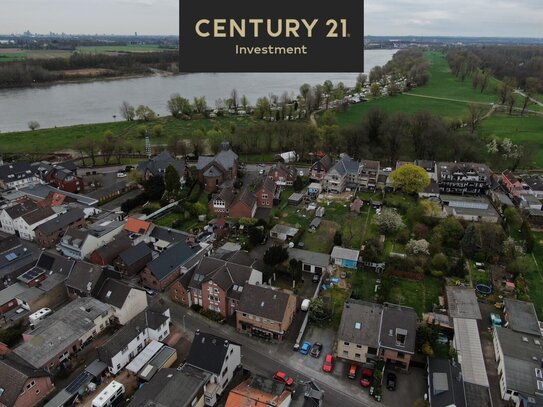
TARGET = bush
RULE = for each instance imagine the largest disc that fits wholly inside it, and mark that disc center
(212, 315)
(436, 273)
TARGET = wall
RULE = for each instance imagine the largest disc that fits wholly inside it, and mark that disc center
(180, 294)
(135, 346)
(351, 351)
(41, 386)
(135, 303)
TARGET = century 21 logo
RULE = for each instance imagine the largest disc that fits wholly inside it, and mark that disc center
(255, 27)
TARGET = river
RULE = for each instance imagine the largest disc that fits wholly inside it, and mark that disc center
(98, 101)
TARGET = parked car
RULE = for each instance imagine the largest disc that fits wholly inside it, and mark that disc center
(367, 378)
(353, 370)
(301, 173)
(283, 378)
(316, 349)
(391, 381)
(306, 347)
(150, 291)
(305, 305)
(121, 174)
(328, 365)
(261, 172)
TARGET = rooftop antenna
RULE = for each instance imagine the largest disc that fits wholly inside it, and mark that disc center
(148, 146)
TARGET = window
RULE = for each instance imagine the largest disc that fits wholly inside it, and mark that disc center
(359, 346)
(357, 355)
(538, 373)
(345, 353)
(37, 391)
(118, 366)
(401, 335)
(346, 343)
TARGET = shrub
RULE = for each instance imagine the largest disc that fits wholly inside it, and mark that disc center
(212, 315)
(436, 273)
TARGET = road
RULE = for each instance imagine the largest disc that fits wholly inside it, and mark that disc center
(265, 359)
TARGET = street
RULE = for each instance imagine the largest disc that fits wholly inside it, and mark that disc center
(265, 359)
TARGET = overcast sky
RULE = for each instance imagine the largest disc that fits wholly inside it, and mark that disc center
(501, 18)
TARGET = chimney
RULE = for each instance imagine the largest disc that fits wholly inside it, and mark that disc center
(226, 344)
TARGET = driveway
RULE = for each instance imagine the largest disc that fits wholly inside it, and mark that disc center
(410, 386)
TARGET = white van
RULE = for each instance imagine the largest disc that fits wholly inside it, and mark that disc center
(305, 304)
(110, 396)
(39, 315)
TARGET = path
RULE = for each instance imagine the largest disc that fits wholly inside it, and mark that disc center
(312, 117)
(521, 93)
(447, 99)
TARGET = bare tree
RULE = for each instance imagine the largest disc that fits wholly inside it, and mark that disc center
(33, 125)
(127, 111)
(476, 113)
(234, 98)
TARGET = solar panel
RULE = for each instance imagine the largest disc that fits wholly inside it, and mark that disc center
(79, 381)
(11, 256)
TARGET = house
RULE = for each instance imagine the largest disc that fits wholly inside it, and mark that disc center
(283, 232)
(429, 166)
(446, 386)
(217, 356)
(320, 168)
(368, 174)
(156, 166)
(534, 184)
(462, 303)
(182, 387)
(358, 333)
(282, 174)
(218, 282)
(85, 279)
(314, 189)
(343, 257)
(66, 332)
(16, 257)
(49, 233)
(213, 171)
(26, 223)
(534, 218)
(127, 301)
(314, 225)
(512, 184)
(259, 391)
(162, 238)
(9, 214)
(62, 176)
(312, 262)
(8, 298)
(530, 202)
(125, 344)
(265, 313)
(21, 385)
(244, 205)
(287, 157)
(519, 357)
(295, 199)
(138, 230)
(470, 208)
(104, 255)
(344, 174)
(81, 242)
(132, 260)
(463, 178)
(266, 193)
(521, 317)
(17, 175)
(172, 263)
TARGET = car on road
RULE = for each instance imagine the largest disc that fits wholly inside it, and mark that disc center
(301, 173)
(391, 381)
(283, 378)
(328, 364)
(353, 370)
(367, 378)
(306, 347)
(121, 174)
(316, 349)
(150, 291)
(261, 171)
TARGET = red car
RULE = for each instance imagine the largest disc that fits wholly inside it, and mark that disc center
(283, 378)
(367, 377)
(328, 365)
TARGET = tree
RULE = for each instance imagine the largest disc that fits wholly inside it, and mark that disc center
(375, 89)
(153, 188)
(256, 234)
(145, 113)
(418, 247)
(298, 184)
(295, 269)
(361, 80)
(451, 230)
(179, 106)
(90, 147)
(244, 103)
(275, 255)
(338, 240)
(318, 312)
(127, 111)
(389, 221)
(141, 130)
(440, 262)
(234, 98)
(33, 125)
(528, 236)
(171, 179)
(158, 130)
(476, 113)
(200, 105)
(262, 108)
(410, 178)
(107, 146)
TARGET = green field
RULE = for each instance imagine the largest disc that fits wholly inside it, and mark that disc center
(533, 272)
(53, 139)
(12, 56)
(120, 48)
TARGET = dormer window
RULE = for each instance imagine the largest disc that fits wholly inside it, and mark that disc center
(401, 335)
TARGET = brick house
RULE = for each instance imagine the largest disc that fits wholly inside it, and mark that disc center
(62, 176)
(265, 192)
(282, 174)
(106, 254)
(512, 184)
(228, 203)
(22, 385)
(156, 166)
(131, 261)
(320, 168)
(213, 171)
(265, 312)
(49, 233)
(218, 282)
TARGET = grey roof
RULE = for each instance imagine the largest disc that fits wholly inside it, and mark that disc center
(111, 250)
(63, 328)
(114, 292)
(346, 165)
(11, 292)
(203, 160)
(446, 168)
(264, 302)
(168, 235)
(135, 253)
(470, 354)
(309, 257)
(15, 256)
(212, 171)
(157, 165)
(477, 395)
(398, 319)
(522, 354)
(462, 303)
(534, 181)
(61, 222)
(315, 223)
(84, 277)
(208, 352)
(38, 215)
(13, 376)
(226, 158)
(343, 253)
(446, 385)
(21, 209)
(15, 171)
(360, 323)
(42, 191)
(521, 316)
(284, 230)
(172, 387)
(171, 259)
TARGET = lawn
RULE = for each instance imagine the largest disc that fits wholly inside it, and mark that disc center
(121, 48)
(533, 272)
(363, 283)
(322, 240)
(420, 295)
(526, 130)
(12, 56)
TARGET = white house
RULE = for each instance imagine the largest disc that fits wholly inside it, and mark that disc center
(127, 302)
(343, 257)
(283, 232)
(17, 175)
(218, 356)
(80, 243)
(26, 223)
(121, 348)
